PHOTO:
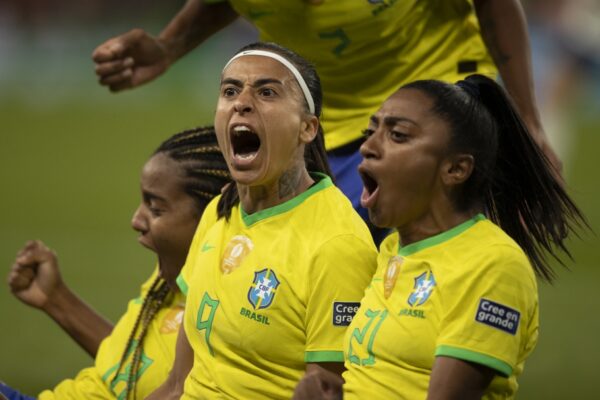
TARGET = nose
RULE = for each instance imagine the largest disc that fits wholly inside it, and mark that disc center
(243, 102)
(139, 221)
(370, 147)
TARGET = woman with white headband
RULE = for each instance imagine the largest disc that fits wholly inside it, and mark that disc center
(280, 261)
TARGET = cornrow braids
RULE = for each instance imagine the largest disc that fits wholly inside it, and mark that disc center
(158, 292)
(205, 168)
(206, 173)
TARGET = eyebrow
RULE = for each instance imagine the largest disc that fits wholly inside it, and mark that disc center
(257, 83)
(148, 196)
(390, 121)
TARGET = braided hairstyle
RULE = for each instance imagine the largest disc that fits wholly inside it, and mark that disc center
(315, 155)
(511, 178)
(206, 173)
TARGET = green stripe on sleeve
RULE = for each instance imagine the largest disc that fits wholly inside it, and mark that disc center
(182, 285)
(323, 356)
(472, 356)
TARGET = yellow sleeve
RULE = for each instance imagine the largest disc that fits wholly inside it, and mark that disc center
(339, 274)
(86, 385)
(209, 217)
(490, 311)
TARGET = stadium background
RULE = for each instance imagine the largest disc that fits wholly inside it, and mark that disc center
(71, 154)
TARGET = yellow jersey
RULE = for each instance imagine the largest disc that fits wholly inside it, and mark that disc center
(271, 291)
(469, 293)
(156, 361)
(364, 50)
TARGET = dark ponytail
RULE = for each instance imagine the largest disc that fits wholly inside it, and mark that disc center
(315, 155)
(512, 177)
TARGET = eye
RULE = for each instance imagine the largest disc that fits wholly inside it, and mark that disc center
(368, 132)
(267, 92)
(229, 91)
(154, 210)
(399, 136)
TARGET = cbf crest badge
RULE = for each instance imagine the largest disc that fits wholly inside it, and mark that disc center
(263, 288)
(424, 285)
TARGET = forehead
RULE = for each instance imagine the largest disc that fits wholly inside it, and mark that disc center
(254, 67)
(161, 173)
(408, 103)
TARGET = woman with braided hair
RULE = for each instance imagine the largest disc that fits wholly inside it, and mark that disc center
(134, 356)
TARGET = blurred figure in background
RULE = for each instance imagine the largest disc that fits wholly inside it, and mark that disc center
(362, 50)
(565, 42)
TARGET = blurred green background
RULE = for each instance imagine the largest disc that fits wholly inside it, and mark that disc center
(70, 157)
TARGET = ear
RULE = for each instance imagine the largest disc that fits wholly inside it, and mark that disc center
(457, 169)
(309, 129)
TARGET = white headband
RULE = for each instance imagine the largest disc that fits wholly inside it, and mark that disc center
(287, 64)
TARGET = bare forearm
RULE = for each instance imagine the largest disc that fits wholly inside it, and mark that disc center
(456, 379)
(78, 319)
(504, 31)
(195, 23)
(173, 386)
(166, 391)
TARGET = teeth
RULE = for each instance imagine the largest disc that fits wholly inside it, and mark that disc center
(241, 128)
(246, 156)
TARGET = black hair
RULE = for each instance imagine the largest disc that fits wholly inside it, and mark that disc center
(315, 155)
(206, 173)
(512, 178)
(205, 168)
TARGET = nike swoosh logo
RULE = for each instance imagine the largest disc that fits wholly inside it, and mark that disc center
(206, 247)
(254, 15)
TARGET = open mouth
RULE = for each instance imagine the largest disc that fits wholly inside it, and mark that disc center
(245, 143)
(370, 189)
(144, 241)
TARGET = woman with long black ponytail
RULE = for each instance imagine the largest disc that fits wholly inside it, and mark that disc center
(453, 313)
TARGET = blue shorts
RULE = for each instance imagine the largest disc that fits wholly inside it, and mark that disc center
(12, 394)
(344, 165)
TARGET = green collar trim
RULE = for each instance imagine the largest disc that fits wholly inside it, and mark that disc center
(324, 182)
(440, 237)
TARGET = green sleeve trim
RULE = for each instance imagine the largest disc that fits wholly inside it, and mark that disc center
(323, 182)
(478, 358)
(182, 284)
(323, 356)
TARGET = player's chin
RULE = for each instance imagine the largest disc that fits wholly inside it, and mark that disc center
(379, 218)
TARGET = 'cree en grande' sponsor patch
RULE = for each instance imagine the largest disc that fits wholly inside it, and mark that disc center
(498, 316)
(343, 312)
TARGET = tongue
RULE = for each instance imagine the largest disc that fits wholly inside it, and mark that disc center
(367, 200)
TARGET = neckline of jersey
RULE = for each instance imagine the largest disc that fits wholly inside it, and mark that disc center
(440, 237)
(323, 182)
